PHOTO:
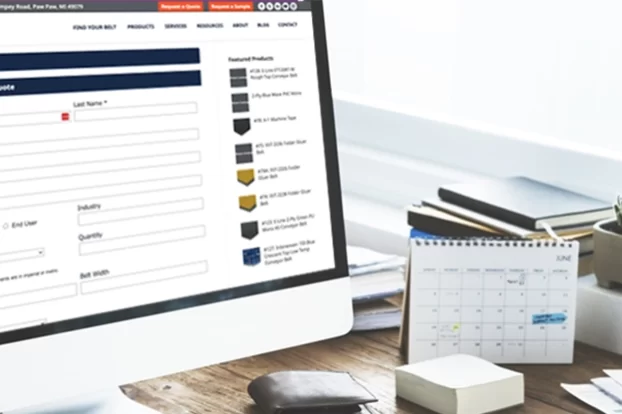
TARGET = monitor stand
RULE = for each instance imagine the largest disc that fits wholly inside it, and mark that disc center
(112, 401)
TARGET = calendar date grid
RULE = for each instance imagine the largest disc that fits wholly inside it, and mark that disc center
(492, 312)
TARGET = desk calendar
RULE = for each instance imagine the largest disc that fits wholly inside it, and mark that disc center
(504, 301)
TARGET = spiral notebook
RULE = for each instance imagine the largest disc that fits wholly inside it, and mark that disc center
(507, 301)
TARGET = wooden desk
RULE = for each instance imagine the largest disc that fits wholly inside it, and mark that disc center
(370, 357)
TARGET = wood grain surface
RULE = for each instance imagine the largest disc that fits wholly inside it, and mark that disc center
(371, 358)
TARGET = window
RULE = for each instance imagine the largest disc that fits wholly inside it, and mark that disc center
(434, 92)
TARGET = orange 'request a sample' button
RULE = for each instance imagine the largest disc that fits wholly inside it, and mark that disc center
(230, 6)
(180, 6)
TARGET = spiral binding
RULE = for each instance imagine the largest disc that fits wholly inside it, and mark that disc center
(491, 242)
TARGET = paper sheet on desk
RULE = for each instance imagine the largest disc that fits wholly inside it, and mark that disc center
(595, 397)
(610, 387)
(395, 265)
(360, 256)
(615, 374)
(363, 261)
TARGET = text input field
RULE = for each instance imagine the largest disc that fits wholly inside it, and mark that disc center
(143, 111)
(22, 255)
(111, 179)
(51, 160)
(34, 147)
(84, 194)
(38, 296)
(142, 278)
(22, 325)
(35, 118)
(142, 240)
(138, 212)
(97, 167)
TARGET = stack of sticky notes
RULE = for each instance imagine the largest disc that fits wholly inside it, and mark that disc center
(460, 384)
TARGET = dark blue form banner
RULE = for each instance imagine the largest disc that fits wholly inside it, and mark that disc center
(94, 83)
(97, 59)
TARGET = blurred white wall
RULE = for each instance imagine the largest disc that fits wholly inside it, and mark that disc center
(550, 67)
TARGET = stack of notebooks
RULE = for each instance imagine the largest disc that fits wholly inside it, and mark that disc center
(509, 208)
(377, 286)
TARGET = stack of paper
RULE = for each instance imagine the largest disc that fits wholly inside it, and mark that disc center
(603, 393)
(460, 384)
(376, 277)
(362, 261)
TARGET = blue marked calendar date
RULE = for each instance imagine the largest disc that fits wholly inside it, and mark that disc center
(549, 319)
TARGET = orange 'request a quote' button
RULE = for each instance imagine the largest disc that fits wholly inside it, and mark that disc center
(181, 6)
(231, 6)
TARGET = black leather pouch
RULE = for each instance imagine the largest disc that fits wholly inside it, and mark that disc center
(309, 392)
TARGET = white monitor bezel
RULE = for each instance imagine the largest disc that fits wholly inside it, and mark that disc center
(71, 364)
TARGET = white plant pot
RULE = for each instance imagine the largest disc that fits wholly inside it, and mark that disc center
(608, 254)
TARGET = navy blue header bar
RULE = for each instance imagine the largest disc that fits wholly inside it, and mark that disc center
(97, 59)
(95, 83)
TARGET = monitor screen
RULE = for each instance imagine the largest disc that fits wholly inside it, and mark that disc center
(156, 156)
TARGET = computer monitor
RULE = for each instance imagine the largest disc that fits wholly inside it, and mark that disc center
(169, 190)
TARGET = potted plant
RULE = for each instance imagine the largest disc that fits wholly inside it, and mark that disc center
(608, 249)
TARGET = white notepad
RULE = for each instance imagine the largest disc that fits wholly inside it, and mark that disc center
(504, 301)
(460, 384)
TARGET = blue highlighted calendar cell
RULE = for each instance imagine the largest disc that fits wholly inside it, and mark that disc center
(549, 318)
(251, 257)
